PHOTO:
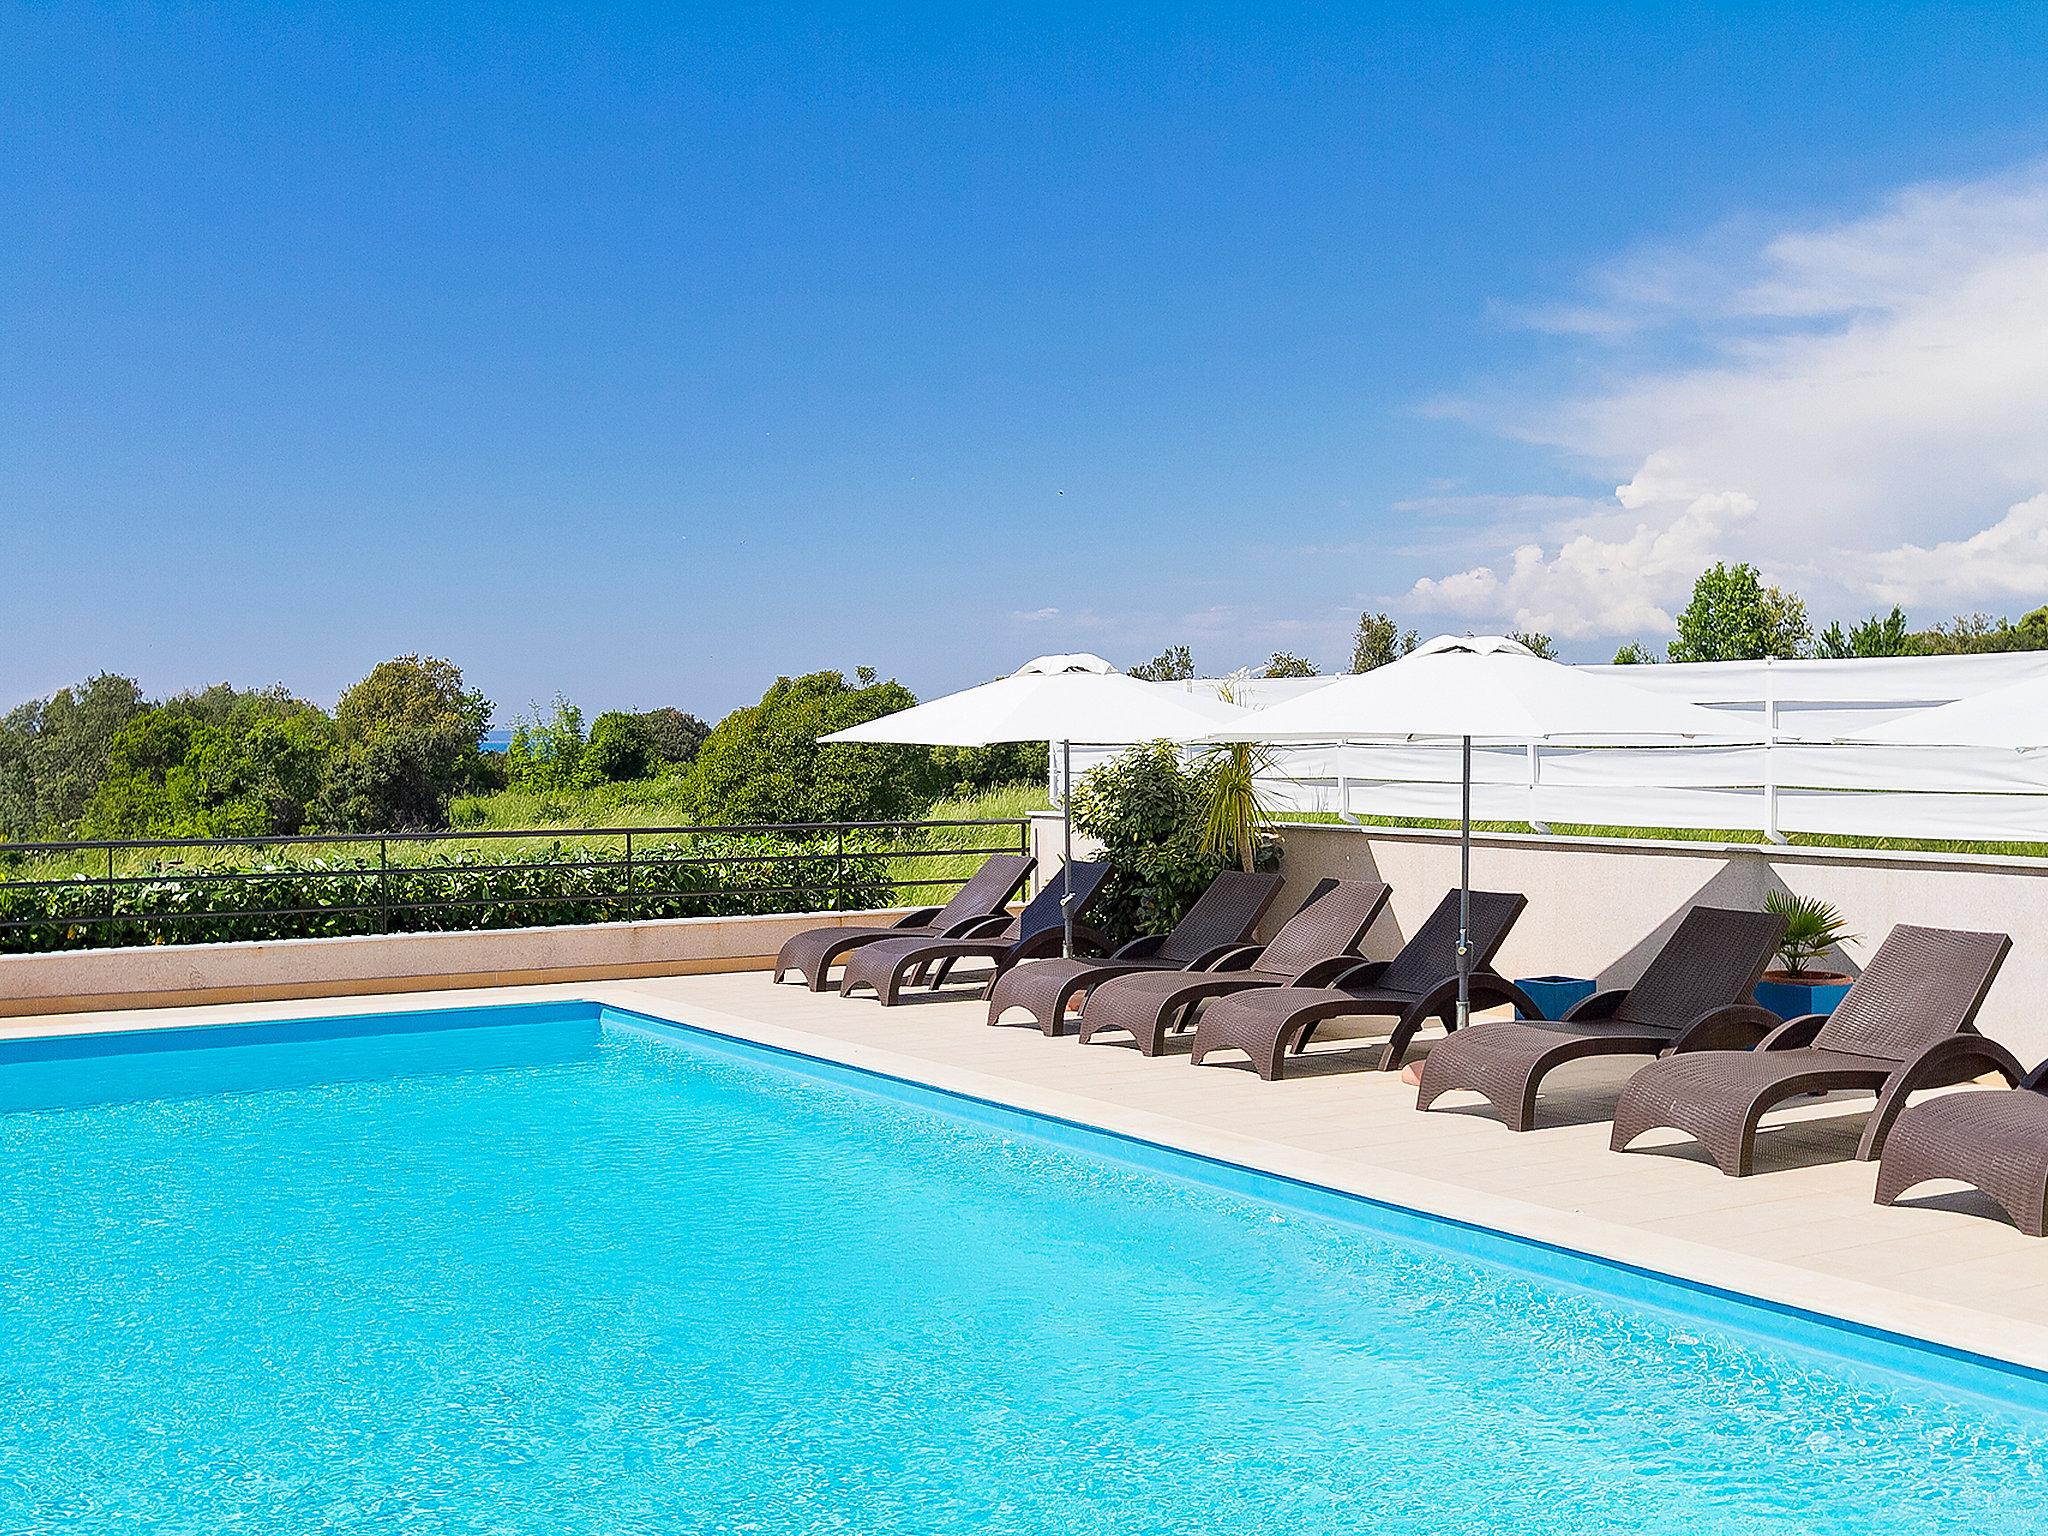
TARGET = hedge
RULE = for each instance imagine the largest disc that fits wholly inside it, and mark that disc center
(559, 884)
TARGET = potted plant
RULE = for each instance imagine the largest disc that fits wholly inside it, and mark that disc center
(1812, 928)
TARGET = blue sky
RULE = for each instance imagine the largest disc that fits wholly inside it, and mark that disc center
(645, 355)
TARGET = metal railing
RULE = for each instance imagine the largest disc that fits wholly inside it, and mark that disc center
(88, 894)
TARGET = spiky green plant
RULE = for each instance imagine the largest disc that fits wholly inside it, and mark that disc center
(1812, 928)
(1235, 817)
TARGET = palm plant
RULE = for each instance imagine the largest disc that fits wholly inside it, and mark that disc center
(1812, 928)
(1235, 817)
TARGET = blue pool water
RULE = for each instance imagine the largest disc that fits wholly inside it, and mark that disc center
(564, 1272)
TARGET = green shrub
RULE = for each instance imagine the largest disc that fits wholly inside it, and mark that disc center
(1148, 808)
(620, 750)
(676, 735)
(546, 751)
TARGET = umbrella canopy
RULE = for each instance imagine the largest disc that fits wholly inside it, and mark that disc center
(1055, 698)
(1479, 688)
(1485, 688)
(2014, 716)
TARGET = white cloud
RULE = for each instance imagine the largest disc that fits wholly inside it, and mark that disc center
(1599, 582)
(1857, 405)
(2010, 559)
(1035, 615)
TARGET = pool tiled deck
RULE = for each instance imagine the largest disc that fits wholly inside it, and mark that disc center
(1802, 1231)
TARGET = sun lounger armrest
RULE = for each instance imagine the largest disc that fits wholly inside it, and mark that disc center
(1212, 960)
(2036, 1080)
(1143, 947)
(1087, 941)
(1737, 1027)
(1363, 973)
(1490, 988)
(978, 927)
(1793, 1033)
(1600, 1005)
(1956, 1059)
(921, 918)
(1486, 989)
(1238, 957)
(1324, 973)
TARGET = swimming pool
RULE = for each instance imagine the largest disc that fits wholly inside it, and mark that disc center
(559, 1268)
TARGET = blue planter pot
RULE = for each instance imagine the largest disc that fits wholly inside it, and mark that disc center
(1554, 994)
(1790, 999)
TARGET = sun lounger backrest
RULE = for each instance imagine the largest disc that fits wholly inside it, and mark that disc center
(1042, 915)
(1922, 985)
(1431, 953)
(1713, 958)
(1330, 925)
(986, 890)
(1223, 914)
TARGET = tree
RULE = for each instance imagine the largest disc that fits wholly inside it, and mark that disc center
(1971, 633)
(1175, 664)
(249, 772)
(1733, 616)
(965, 771)
(1535, 643)
(1379, 641)
(1284, 664)
(676, 736)
(1634, 654)
(1878, 635)
(546, 751)
(621, 748)
(764, 764)
(406, 741)
(53, 754)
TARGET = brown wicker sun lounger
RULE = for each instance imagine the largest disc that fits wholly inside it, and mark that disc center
(1317, 941)
(1219, 923)
(1996, 1140)
(1695, 995)
(887, 964)
(1904, 1025)
(1418, 983)
(987, 893)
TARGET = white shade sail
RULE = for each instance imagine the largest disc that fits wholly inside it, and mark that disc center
(1487, 688)
(2014, 716)
(1055, 698)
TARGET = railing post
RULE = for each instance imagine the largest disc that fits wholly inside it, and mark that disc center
(839, 868)
(629, 875)
(1771, 832)
(384, 883)
(111, 913)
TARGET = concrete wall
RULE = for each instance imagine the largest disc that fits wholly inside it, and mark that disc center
(1598, 907)
(171, 975)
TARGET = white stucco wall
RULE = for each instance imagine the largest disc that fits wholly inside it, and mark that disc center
(165, 975)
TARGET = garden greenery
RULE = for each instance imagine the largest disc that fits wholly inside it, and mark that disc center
(1150, 811)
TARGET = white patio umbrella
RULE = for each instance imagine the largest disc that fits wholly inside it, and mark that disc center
(2014, 716)
(1064, 699)
(1485, 689)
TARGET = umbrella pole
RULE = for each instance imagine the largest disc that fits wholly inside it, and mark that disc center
(1067, 849)
(1465, 895)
